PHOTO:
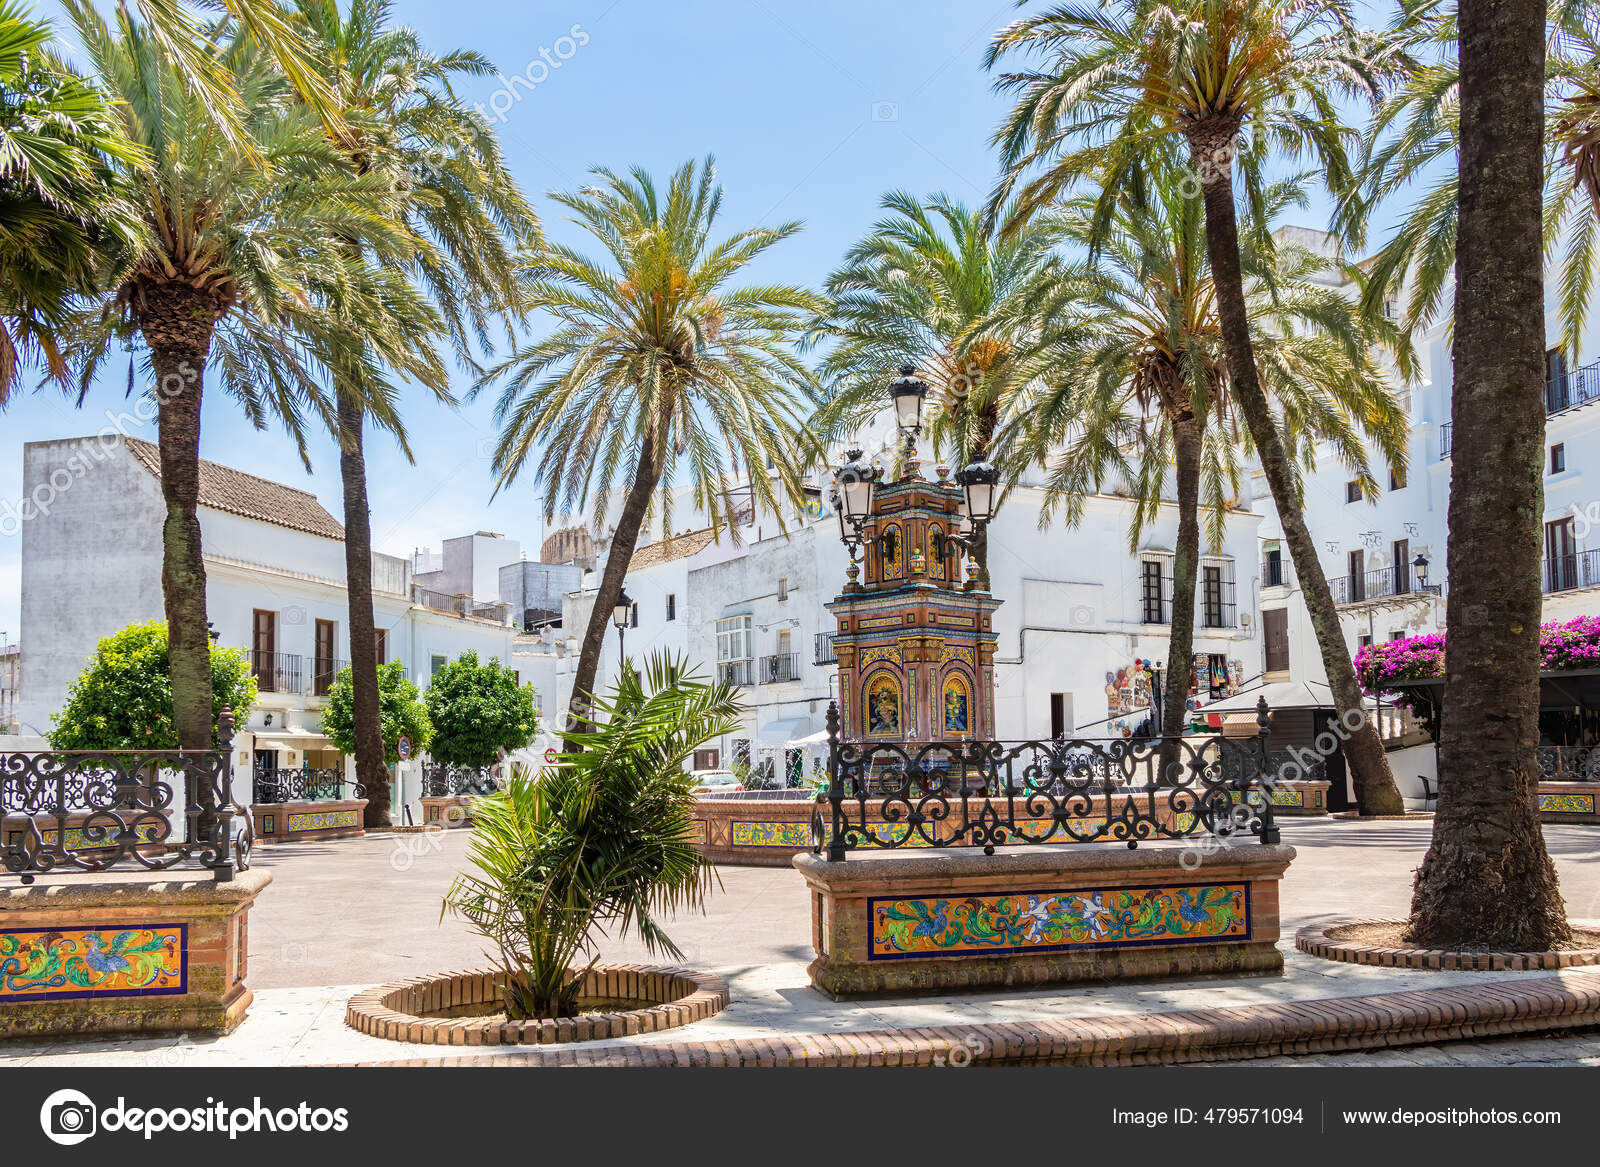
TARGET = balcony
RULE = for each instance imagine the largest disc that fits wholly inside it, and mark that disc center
(276, 672)
(1277, 573)
(734, 672)
(1378, 585)
(324, 671)
(1567, 573)
(1571, 389)
(780, 667)
(823, 653)
(1444, 441)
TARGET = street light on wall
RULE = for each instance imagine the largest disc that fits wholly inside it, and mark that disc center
(1420, 566)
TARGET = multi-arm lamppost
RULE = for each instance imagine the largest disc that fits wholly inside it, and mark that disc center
(621, 615)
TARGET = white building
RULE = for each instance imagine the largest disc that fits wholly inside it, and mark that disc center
(91, 564)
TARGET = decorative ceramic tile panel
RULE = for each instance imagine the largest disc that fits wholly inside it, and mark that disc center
(59, 963)
(323, 820)
(1058, 920)
(1551, 802)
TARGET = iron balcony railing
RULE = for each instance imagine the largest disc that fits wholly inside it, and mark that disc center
(1578, 387)
(1277, 573)
(1444, 440)
(1085, 790)
(1398, 580)
(780, 667)
(280, 786)
(822, 649)
(276, 672)
(324, 671)
(440, 780)
(734, 672)
(94, 810)
(1563, 573)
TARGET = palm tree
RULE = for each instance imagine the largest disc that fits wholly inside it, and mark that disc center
(1487, 879)
(400, 118)
(656, 369)
(61, 214)
(1238, 82)
(1138, 389)
(237, 255)
(601, 840)
(930, 285)
(1415, 136)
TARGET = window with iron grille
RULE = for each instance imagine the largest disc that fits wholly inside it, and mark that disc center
(1154, 592)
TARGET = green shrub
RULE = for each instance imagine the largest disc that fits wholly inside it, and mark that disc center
(401, 712)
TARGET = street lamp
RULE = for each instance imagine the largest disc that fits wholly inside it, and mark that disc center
(908, 394)
(621, 614)
(978, 479)
(1420, 566)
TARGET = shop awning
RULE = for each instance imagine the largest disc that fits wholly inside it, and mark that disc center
(784, 731)
(291, 739)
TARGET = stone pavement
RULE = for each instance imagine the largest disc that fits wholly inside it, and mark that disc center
(355, 913)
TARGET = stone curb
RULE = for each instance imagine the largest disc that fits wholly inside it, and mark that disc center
(675, 996)
(1316, 940)
(1414, 1017)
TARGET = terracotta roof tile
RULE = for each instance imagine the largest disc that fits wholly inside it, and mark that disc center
(223, 488)
(677, 547)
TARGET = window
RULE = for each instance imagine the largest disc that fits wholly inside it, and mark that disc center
(383, 644)
(733, 650)
(324, 666)
(1058, 716)
(437, 665)
(1397, 478)
(1216, 595)
(1401, 558)
(1560, 556)
(1397, 634)
(672, 607)
(1356, 576)
(1557, 394)
(1363, 641)
(1275, 631)
(264, 649)
(1352, 491)
(708, 759)
(633, 615)
(1558, 457)
(1272, 568)
(783, 588)
(1154, 592)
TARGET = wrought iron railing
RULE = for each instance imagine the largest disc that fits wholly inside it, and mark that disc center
(1563, 573)
(988, 793)
(1277, 573)
(780, 667)
(276, 672)
(822, 649)
(324, 671)
(440, 780)
(1399, 580)
(734, 672)
(1445, 440)
(1569, 763)
(304, 786)
(94, 810)
(1579, 387)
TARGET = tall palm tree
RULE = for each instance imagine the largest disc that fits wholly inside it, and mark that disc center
(238, 252)
(1487, 879)
(62, 216)
(1138, 390)
(401, 118)
(1238, 83)
(1415, 137)
(657, 371)
(933, 286)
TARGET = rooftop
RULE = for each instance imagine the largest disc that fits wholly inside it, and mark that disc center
(677, 547)
(223, 488)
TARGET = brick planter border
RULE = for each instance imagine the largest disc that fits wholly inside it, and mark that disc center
(1316, 940)
(674, 997)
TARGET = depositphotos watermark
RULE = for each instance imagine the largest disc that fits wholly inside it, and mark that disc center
(538, 70)
(70, 1117)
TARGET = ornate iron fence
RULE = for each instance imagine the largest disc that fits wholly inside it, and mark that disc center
(304, 786)
(94, 810)
(984, 793)
(443, 781)
(1569, 763)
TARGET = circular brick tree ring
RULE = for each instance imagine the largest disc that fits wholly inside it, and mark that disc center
(465, 1008)
(1334, 940)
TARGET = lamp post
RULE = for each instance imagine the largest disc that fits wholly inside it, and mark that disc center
(908, 394)
(621, 614)
(1420, 566)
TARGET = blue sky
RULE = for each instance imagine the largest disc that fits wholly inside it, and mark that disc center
(812, 109)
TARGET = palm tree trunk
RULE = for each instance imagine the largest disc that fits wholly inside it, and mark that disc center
(647, 476)
(176, 323)
(1185, 568)
(1487, 879)
(371, 772)
(1376, 793)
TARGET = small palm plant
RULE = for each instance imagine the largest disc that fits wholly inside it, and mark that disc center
(601, 839)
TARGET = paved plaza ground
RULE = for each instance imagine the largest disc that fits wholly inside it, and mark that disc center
(341, 916)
